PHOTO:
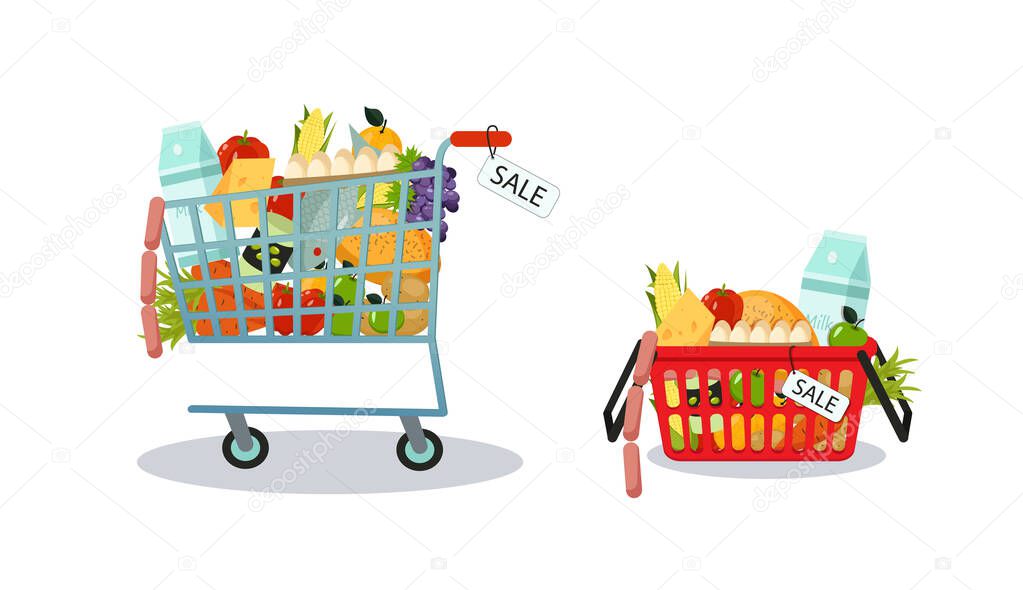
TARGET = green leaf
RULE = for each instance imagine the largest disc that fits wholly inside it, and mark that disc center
(675, 273)
(893, 375)
(326, 140)
(305, 112)
(294, 145)
(653, 308)
(849, 314)
(653, 275)
(374, 117)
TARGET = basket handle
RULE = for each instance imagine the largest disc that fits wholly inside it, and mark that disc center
(642, 359)
(900, 425)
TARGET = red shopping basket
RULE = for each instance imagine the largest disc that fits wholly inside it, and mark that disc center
(719, 403)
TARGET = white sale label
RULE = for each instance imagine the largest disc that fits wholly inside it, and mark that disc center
(518, 185)
(816, 396)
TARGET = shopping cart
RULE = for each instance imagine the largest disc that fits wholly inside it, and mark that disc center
(301, 251)
(721, 403)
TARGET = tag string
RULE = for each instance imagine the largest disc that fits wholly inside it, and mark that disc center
(792, 365)
(493, 150)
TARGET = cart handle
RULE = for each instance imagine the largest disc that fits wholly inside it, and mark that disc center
(643, 354)
(154, 223)
(900, 426)
(479, 138)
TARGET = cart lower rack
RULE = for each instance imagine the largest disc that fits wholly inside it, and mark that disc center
(723, 403)
(300, 238)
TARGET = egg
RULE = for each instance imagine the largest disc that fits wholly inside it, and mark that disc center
(344, 161)
(721, 332)
(740, 333)
(802, 333)
(761, 333)
(365, 162)
(319, 165)
(386, 162)
(780, 333)
(296, 167)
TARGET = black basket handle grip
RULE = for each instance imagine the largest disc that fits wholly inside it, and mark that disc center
(645, 351)
(900, 426)
(614, 425)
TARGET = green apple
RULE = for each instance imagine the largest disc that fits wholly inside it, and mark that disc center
(756, 387)
(849, 332)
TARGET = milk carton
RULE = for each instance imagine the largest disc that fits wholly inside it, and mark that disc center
(837, 276)
(189, 167)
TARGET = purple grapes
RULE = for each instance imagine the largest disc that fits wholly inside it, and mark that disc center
(421, 207)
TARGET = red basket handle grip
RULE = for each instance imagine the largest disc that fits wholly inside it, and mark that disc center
(900, 426)
(479, 139)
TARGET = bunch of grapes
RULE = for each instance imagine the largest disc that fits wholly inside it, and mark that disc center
(421, 208)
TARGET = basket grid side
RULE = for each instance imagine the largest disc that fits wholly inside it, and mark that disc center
(704, 421)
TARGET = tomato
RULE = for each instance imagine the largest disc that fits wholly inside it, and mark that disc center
(312, 324)
(241, 146)
(284, 298)
(725, 304)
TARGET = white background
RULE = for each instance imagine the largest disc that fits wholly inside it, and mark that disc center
(844, 137)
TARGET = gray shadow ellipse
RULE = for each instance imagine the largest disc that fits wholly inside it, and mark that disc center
(866, 455)
(302, 462)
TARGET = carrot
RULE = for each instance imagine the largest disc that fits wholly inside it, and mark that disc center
(224, 299)
(219, 269)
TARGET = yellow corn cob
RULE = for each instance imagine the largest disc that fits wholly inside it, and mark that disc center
(671, 393)
(379, 195)
(666, 291)
(675, 432)
(311, 137)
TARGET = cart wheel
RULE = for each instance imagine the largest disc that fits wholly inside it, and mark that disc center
(420, 461)
(246, 459)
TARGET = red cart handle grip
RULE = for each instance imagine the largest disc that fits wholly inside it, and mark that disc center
(147, 290)
(479, 139)
(154, 223)
(151, 331)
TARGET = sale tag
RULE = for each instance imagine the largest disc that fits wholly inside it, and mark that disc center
(815, 396)
(518, 185)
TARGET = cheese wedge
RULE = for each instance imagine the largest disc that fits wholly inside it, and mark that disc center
(244, 174)
(689, 323)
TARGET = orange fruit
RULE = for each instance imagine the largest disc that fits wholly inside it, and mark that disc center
(379, 138)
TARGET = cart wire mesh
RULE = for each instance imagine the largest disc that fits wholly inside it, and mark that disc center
(328, 213)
